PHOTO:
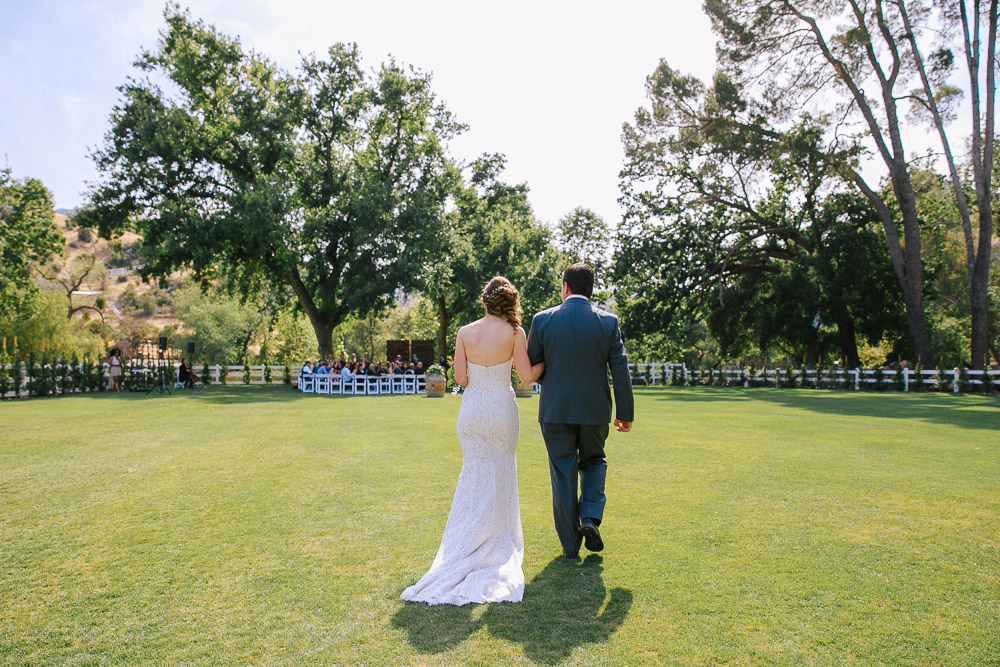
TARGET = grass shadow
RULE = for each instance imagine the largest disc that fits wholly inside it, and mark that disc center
(565, 606)
(226, 394)
(962, 411)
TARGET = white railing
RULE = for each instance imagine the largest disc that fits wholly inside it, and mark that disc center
(654, 374)
(942, 380)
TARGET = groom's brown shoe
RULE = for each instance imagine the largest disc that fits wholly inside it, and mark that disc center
(591, 536)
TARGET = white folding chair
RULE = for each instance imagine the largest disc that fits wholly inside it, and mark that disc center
(322, 384)
(371, 385)
(357, 384)
(397, 384)
(421, 384)
(385, 385)
(335, 384)
(409, 384)
(307, 383)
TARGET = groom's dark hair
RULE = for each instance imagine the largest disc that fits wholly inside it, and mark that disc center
(580, 279)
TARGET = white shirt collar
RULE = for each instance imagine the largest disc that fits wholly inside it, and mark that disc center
(577, 296)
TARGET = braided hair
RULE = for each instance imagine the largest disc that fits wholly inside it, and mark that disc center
(502, 299)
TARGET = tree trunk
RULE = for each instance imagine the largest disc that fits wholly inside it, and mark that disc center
(324, 338)
(912, 282)
(848, 343)
(811, 348)
(980, 310)
(323, 329)
(443, 321)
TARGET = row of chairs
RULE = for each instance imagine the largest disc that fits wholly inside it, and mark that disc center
(361, 384)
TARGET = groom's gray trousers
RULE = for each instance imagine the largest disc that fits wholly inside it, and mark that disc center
(576, 451)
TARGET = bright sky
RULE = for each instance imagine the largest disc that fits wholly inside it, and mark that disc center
(548, 84)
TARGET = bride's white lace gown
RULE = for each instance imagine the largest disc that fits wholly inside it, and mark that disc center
(480, 556)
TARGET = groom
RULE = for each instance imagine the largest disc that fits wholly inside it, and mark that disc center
(579, 343)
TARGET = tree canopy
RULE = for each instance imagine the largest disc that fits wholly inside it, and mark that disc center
(27, 235)
(327, 180)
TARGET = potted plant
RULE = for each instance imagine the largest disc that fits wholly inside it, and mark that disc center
(520, 390)
(435, 381)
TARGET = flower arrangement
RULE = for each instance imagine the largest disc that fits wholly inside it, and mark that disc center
(435, 369)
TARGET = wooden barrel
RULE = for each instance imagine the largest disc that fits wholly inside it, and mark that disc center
(523, 390)
(434, 386)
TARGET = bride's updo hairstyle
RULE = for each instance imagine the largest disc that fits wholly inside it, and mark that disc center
(502, 299)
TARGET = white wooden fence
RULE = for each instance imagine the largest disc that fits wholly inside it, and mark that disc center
(943, 380)
(661, 374)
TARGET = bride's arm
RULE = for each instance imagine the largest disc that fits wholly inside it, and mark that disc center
(460, 364)
(522, 364)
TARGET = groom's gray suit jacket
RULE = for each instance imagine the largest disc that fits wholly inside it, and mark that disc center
(578, 343)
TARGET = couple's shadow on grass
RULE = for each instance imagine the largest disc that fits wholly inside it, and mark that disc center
(565, 606)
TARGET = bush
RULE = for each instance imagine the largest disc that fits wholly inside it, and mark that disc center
(86, 234)
(5, 379)
(942, 380)
(987, 379)
(963, 380)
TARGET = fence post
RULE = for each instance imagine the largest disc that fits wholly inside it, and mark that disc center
(857, 379)
(906, 380)
(954, 381)
(216, 374)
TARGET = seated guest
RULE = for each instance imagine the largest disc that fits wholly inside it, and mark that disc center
(419, 370)
(345, 372)
(321, 369)
(397, 369)
(184, 375)
(306, 369)
(409, 370)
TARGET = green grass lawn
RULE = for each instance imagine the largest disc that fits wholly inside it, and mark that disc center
(238, 526)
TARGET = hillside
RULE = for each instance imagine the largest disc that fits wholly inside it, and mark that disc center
(131, 306)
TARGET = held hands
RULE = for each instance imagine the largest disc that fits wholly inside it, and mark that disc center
(623, 427)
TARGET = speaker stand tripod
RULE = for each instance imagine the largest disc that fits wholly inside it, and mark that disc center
(162, 387)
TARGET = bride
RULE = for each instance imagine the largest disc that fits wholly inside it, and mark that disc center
(480, 556)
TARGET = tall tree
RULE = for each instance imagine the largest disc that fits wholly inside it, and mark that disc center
(584, 236)
(326, 180)
(882, 61)
(492, 231)
(787, 52)
(27, 234)
(729, 216)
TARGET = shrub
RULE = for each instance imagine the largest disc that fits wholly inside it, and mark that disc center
(963, 380)
(5, 382)
(942, 380)
(987, 379)
(86, 234)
